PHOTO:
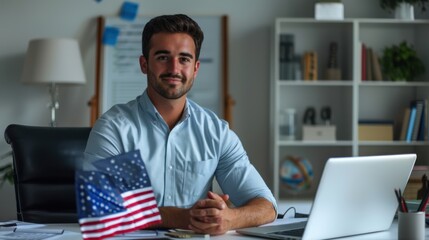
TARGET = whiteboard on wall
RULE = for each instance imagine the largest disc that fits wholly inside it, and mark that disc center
(122, 80)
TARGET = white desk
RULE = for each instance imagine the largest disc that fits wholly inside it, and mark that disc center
(72, 231)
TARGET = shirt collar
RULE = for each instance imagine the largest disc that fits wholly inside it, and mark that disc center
(147, 106)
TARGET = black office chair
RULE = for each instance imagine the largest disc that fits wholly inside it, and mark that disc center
(44, 161)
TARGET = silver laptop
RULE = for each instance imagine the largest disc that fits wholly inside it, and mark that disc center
(355, 196)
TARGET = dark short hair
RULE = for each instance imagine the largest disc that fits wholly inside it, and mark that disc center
(178, 23)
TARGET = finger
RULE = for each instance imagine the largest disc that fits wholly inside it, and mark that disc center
(209, 219)
(215, 196)
(215, 230)
(210, 203)
(202, 225)
(204, 212)
(225, 197)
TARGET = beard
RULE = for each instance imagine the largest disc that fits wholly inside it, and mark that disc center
(169, 91)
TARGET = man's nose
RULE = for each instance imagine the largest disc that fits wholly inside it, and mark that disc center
(173, 65)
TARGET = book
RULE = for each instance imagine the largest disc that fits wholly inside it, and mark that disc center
(419, 111)
(369, 64)
(376, 67)
(422, 135)
(287, 53)
(405, 121)
(426, 122)
(411, 123)
(310, 65)
(363, 62)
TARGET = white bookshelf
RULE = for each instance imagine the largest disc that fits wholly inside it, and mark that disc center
(350, 98)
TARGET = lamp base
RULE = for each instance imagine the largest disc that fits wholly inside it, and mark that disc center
(53, 105)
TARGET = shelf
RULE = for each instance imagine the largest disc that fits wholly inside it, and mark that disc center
(288, 143)
(315, 83)
(350, 99)
(353, 20)
(315, 143)
(393, 144)
(392, 84)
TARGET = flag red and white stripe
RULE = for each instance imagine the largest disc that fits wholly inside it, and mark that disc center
(141, 212)
(116, 198)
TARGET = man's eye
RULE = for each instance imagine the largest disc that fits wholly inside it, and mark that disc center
(185, 59)
(162, 58)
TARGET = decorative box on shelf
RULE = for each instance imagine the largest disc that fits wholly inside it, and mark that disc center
(329, 10)
(319, 133)
(375, 130)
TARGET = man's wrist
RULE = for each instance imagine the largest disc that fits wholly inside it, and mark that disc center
(173, 217)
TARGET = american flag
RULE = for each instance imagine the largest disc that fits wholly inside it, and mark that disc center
(115, 199)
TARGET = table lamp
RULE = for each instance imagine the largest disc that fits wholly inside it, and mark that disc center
(53, 61)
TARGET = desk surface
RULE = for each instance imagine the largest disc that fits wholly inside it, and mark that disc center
(72, 231)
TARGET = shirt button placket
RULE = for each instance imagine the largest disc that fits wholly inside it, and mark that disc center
(170, 178)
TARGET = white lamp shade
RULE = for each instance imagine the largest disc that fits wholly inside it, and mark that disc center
(53, 61)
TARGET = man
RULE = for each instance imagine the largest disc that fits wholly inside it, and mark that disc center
(183, 145)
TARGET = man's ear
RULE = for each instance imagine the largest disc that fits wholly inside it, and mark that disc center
(143, 64)
(196, 68)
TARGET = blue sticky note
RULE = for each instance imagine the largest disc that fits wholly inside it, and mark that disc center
(110, 35)
(129, 10)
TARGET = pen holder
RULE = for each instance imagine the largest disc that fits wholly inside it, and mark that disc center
(411, 225)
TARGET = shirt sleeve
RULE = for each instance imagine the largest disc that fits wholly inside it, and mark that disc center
(237, 177)
(103, 142)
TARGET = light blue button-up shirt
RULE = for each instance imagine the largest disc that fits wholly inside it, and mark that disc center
(181, 163)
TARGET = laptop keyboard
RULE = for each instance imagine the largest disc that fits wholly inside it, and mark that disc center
(294, 232)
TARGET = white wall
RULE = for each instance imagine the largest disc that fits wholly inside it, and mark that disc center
(250, 23)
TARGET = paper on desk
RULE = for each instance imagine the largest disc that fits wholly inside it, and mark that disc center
(184, 233)
(30, 234)
(18, 230)
(20, 224)
(27, 235)
(135, 235)
(280, 221)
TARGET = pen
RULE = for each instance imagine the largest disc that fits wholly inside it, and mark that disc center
(8, 225)
(398, 198)
(403, 201)
(424, 202)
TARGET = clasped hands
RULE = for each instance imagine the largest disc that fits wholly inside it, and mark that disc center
(211, 215)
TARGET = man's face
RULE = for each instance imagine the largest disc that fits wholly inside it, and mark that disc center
(171, 65)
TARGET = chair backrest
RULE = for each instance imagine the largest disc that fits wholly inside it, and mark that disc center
(45, 160)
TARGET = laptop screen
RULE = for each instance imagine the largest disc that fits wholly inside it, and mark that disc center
(355, 196)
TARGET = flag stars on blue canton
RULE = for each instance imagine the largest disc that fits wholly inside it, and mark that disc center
(99, 192)
(93, 200)
(127, 170)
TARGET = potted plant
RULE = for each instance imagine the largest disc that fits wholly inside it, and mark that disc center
(403, 9)
(401, 63)
(6, 171)
(391, 5)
